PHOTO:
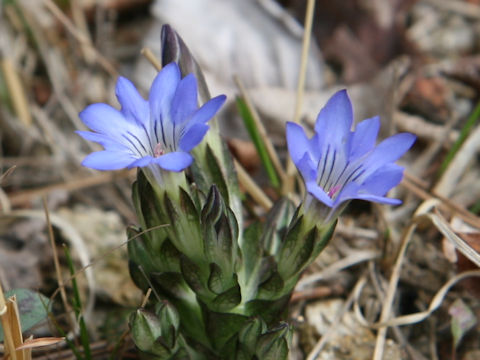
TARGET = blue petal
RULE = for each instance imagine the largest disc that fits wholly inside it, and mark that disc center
(384, 179)
(208, 110)
(193, 136)
(108, 160)
(174, 161)
(307, 168)
(375, 187)
(388, 151)
(364, 138)
(334, 122)
(134, 106)
(319, 193)
(107, 142)
(297, 142)
(142, 162)
(355, 191)
(184, 102)
(162, 91)
(104, 119)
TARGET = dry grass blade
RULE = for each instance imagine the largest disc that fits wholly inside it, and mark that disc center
(288, 184)
(416, 317)
(7, 173)
(252, 188)
(393, 283)
(40, 342)
(12, 329)
(150, 56)
(22, 197)
(351, 260)
(16, 92)
(63, 293)
(457, 241)
(82, 38)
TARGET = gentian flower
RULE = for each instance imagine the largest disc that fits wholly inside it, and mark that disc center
(338, 164)
(157, 133)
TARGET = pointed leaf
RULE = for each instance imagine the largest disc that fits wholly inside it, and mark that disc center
(32, 306)
(227, 300)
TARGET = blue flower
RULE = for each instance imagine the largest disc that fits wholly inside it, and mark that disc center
(338, 164)
(158, 132)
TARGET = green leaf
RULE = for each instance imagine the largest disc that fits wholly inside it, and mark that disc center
(32, 306)
(258, 142)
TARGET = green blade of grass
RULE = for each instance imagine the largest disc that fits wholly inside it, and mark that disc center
(471, 121)
(258, 142)
(77, 307)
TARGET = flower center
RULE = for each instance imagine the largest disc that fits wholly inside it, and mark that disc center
(334, 190)
(158, 150)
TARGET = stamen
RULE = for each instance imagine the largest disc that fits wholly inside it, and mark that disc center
(158, 151)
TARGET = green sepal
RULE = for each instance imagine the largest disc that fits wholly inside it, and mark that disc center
(170, 284)
(221, 327)
(249, 335)
(169, 322)
(227, 300)
(252, 251)
(139, 256)
(209, 172)
(296, 250)
(269, 310)
(169, 257)
(137, 250)
(192, 274)
(273, 345)
(220, 231)
(272, 288)
(218, 282)
(145, 329)
(324, 235)
(188, 206)
(276, 225)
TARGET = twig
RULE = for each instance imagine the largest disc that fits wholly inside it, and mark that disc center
(16, 91)
(77, 184)
(150, 56)
(289, 183)
(80, 36)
